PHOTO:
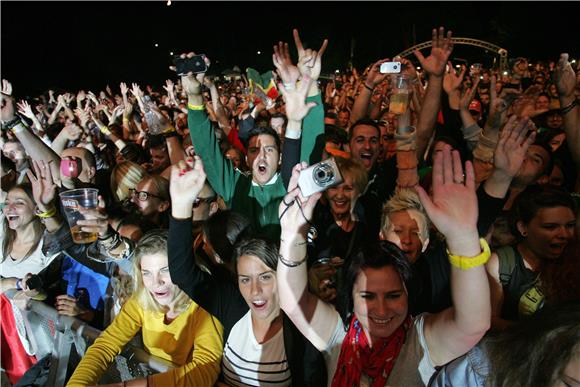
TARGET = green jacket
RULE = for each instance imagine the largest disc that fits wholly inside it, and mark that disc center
(258, 203)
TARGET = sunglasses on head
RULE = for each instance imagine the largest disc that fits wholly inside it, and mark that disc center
(142, 195)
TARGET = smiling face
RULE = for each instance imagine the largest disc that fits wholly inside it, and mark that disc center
(549, 232)
(405, 233)
(263, 157)
(364, 145)
(156, 278)
(257, 283)
(380, 301)
(342, 196)
(19, 209)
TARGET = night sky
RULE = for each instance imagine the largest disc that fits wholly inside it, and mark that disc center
(90, 44)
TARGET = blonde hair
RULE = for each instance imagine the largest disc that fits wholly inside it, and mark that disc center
(405, 199)
(125, 176)
(153, 242)
(354, 169)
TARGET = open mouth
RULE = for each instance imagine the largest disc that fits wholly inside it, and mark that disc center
(262, 168)
(381, 321)
(259, 304)
(12, 218)
(161, 294)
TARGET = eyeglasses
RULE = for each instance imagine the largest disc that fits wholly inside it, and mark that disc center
(198, 201)
(142, 195)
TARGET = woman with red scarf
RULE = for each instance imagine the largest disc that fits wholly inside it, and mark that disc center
(376, 342)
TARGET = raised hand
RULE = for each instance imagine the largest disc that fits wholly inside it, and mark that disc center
(288, 72)
(374, 76)
(468, 95)
(25, 109)
(136, 91)
(81, 96)
(309, 61)
(83, 116)
(295, 210)
(452, 81)
(441, 48)
(124, 88)
(453, 206)
(43, 186)
(169, 86)
(513, 145)
(191, 83)
(296, 106)
(186, 176)
(565, 77)
(72, 132)
(525, 105)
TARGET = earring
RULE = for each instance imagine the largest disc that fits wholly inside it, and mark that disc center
(524, 234)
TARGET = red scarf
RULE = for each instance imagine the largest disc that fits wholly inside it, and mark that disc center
(357, 357)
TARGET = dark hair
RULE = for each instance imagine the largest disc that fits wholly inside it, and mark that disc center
(335, 134)
(157, 141)
(258, 130)
(265, 250)
(534, 198)
(364, 121)
(536, 351)
(375, 255)
(133, 152)
(10, 235)
(223, 229)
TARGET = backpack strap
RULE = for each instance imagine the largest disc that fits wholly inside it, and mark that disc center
(507, 263)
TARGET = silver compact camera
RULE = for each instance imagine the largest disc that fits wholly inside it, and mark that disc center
(390, 68)
(319, 177)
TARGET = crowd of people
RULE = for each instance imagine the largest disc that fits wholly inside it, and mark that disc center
(447, 252)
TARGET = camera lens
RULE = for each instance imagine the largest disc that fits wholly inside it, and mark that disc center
(323, 175)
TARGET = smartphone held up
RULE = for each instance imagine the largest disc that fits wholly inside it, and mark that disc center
(196, 64)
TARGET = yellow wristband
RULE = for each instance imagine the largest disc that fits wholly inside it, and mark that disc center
(105, 130)
(195, 107)
(466, 263)
(47, 214)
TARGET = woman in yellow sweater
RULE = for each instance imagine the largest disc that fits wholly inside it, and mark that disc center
(173, 327)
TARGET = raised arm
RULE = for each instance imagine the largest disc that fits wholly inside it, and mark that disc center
(566, 83)
(361, 103)
(33, 145)
(310, 315)
(453, 210)
(434, 66)
(220, 171)
(187, 176)
(310, 65)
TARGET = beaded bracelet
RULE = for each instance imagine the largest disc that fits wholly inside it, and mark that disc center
(466, 263)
